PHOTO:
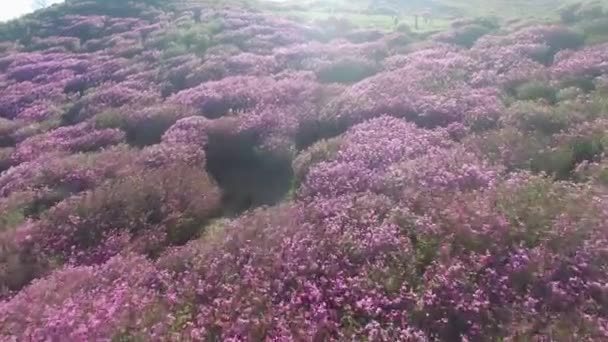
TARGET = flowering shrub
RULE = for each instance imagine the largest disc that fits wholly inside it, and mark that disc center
(112, 294)
(84, 27)
(508, 146)
(79, 138)
(231, 94)
(437, 94)
(322, 150)
(55, 43)
(77, 171)
(19, 96)
(108, 97)
(586, 63)
(143, 213)
(211, 172)
(366, 151)
(142, 126)
(509, 64)
(191, 130)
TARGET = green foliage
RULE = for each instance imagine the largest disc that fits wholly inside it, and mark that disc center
(46, 201)
(561, 161)
(174, 50)
(182, 317)
(403, 28)
(11, 218)
(425, 247)
(17, 30)
(558, 162)
(467, 36)
(189, 38)
(18, 268)
(535, 90)
(602, 176)
(72, 113)
(584, 83)
(595, 30)
(322, 150)
(564, 39)
(557, 40)
(346, 71)
(179, 200)
(362, 36)
(568, 13)
(116, 8)
(5, 158)
(141, 130)
(532, 117)
(335, 27)
(596, 105)
(110, 119)
(248, 177)
(507, 146)
(400, 41)
(6, 128)
(489, 22)
(121, 2)
(590, 10)
(568, 93)
(148, 131)
(533, 208)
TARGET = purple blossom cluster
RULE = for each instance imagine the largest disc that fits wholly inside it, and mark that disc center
(232, 94)
(111, 294)
(366, 151)
(111, 97)
(93, 226)
(222, 174)
(77, 171)
(431, 92)
(588, 62)
(78, 138)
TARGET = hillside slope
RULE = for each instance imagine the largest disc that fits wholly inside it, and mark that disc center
(203, 171)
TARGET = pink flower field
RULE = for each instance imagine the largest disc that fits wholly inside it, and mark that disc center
(213, 171)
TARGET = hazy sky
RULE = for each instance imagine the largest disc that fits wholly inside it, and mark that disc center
(10, 9)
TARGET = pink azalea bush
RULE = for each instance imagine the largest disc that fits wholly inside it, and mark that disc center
(210, 172)
(78, 138)
(430, 91)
